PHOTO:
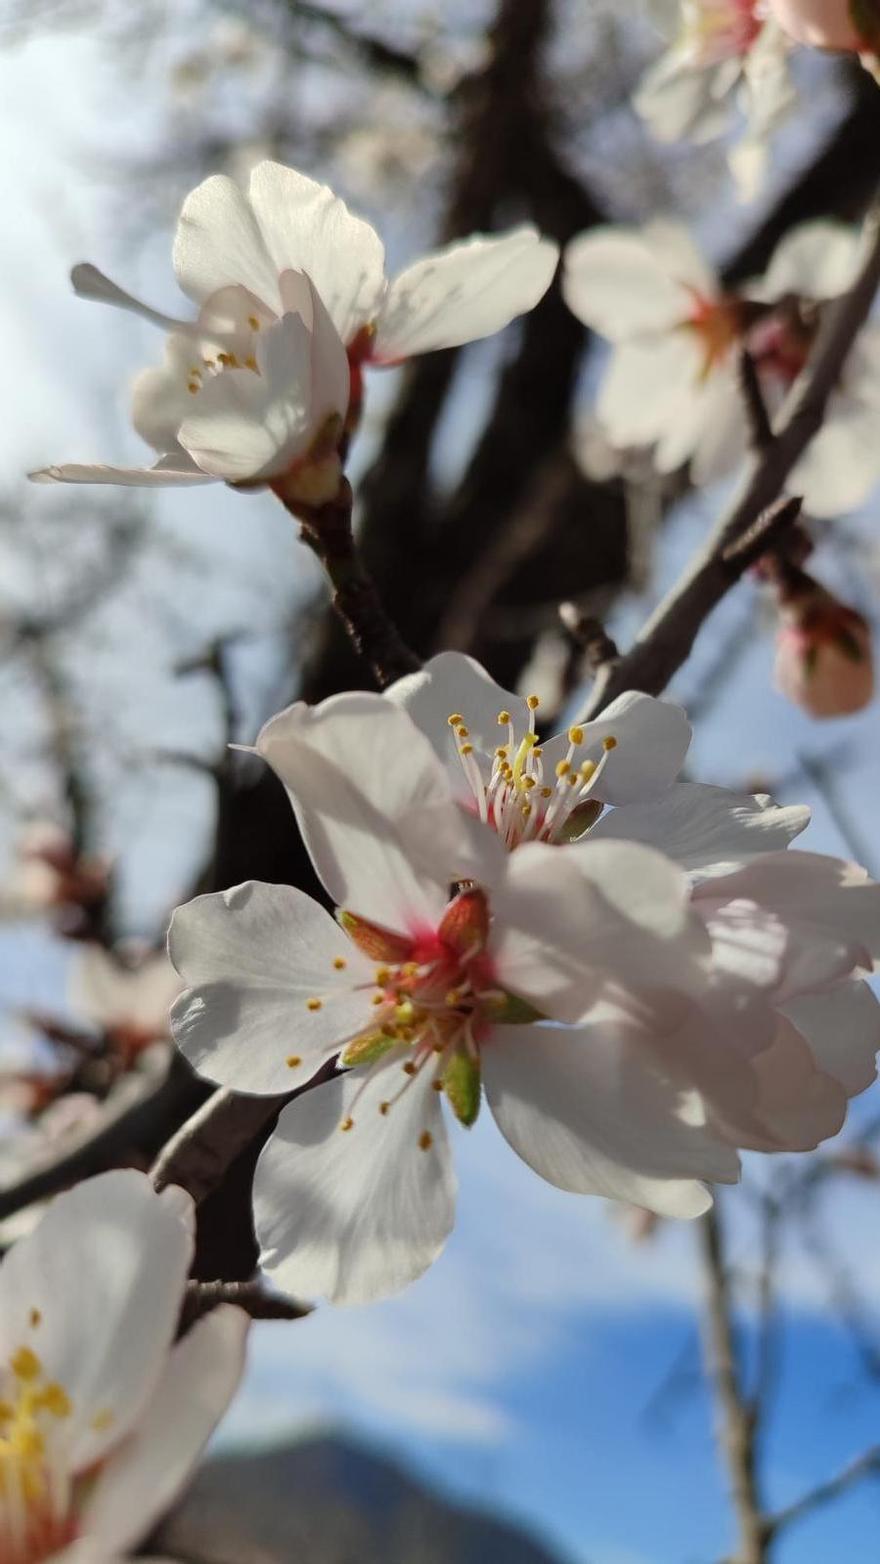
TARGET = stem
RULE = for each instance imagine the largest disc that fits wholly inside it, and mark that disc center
(735, 1424)
(328, 532)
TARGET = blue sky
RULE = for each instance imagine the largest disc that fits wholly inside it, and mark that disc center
(518, 1372)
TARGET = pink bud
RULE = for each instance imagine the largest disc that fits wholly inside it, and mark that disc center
(829, 24)
(823, 655)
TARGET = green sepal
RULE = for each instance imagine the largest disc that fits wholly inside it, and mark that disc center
(461, 1083)
(509, 1010)
(367, 1048)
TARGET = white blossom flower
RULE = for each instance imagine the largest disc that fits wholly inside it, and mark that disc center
(672, 381)
(725, 54)
(293, 301)
(625, 1024)
(102, 1415)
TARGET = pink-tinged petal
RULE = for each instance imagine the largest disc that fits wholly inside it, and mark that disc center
(171, 472)
(829, 910)
(248, 426)
(653, 738)
(95, 1291)
(592, 1111)
(375, 808)
(143, 1477)
(842, 1030)
(306, 227)
(797, 1105)
(816, 260)
(355, 1214)
(707, 830)
(619, 281)
(273, 987)
(567, 918)
(219, 242)
(464, 292)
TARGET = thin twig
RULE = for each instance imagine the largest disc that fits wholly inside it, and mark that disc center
(590, 635)
(200, 1297)
(760, 428)
(666, 640)
(736, 1425)
(327, 530)
(865, 1465)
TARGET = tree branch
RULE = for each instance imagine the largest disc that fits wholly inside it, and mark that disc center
(866, 1465)
(667, 639)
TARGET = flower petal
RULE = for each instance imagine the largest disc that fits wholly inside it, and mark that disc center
(90, 283)
(218, 242)
(355, 1215)
(143, 1477)
(619, 280)
(798, 1105)
(464, 292)
(653, 738)
(816, 260)
(649, 387)
(306, 227)
(375, 808)
(171, 471)
(266, 1000)
(592, 1111)
(842, 1030)
(95, 1291)
(707, 830)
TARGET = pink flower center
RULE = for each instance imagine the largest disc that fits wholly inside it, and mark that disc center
(718, 30)
(716, 323)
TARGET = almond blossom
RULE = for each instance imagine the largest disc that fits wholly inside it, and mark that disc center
(824, 658)
(625, 1025)
(672, 382)
(293, 301)
(102, 1415)
(724, 55)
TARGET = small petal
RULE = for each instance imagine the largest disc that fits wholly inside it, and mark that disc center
(707, 830)
(620, 282)
(171, 472)
(90, 283)
(219, 242)
(355, 1214)
(464, 292)
(815, 260)
(842, 1029)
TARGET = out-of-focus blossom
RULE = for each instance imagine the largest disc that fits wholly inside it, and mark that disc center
(672, 382)
(293, 301)
(49, 873)
(102, 1415)
(725, 55)
(105, 993)
(824, 658)
(830, 24)
(632, 1019)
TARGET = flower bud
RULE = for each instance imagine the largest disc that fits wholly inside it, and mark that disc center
(823, 653)
(830, 24)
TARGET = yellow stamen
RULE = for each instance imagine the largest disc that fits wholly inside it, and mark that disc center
(426, 1140)
(314, 1004)
(293, 1060)
(609, 743)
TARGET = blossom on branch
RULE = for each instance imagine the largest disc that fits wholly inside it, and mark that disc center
(102, 1414)
(626, 1024)
(673, 379)
(824, 658)
(725, 55)
(265, 385)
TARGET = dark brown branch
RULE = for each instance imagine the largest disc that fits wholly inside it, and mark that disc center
(735, 1424)
(328, 532)
(760, 429)
(590, 635)
(206, 1145)
(667, 639)
(201, 1297)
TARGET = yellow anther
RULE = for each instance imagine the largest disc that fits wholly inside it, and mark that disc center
(224, 358)
(503, 718)
(587, 770)
(193, 387)
(546, 792)
(208, 363)
(526, 810)
(453, 997)
(383, 976)
(195, 372)
(253, 322)
(563, 767)
(573, 780)
(340, 963)
(462, 732)
(537, 752)
(502, 751)
(437, 1085)
(466, 749)
(405, 1011)
(250, 362)
(575, 735)
(378, 999)
(454, 719)
(314, 1004)
(383, 1107)
(55, 1400)
(25, 1364)
(426, 1140)
(293, 1060)
(347, 1124)
(7, 1411)
(533, 702)
(410, 969)
(527, 782)
(35, 1317)
(610, 742)
(409, 1068)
